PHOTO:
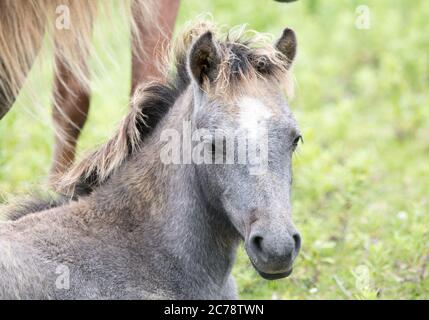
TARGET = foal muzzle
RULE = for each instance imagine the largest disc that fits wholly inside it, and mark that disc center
(272, 255)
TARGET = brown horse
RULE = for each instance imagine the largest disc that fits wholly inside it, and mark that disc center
(24, 23)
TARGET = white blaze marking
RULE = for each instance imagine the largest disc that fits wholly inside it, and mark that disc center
(253, 116)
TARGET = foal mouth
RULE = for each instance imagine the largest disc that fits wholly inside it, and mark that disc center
(275, 276)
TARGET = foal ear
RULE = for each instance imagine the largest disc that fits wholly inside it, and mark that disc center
(204, 58)
(287, 44)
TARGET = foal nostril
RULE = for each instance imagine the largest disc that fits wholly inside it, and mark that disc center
(257, 243)
(258, 247)
(297, 239)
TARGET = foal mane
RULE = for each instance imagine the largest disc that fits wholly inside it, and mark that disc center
(148, 106)
(245, 56)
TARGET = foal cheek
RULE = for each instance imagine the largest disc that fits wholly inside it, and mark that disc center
(248, 219)
(234, 215)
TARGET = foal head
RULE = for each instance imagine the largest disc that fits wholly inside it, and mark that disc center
(239, 103)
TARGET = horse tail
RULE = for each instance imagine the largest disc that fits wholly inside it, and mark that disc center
(67, 26)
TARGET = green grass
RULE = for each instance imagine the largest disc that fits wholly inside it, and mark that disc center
(361, 178)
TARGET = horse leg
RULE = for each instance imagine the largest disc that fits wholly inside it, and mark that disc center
(16, 55)
(9, 89)
(71, 105)
(143, 66)
(5, 102)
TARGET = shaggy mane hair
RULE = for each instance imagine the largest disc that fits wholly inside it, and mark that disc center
(148, 106)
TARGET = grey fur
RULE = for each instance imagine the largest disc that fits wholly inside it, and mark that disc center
(157, 231)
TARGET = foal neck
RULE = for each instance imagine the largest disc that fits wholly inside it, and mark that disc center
(166, 203)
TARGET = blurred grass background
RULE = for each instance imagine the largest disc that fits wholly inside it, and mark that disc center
(361, 177)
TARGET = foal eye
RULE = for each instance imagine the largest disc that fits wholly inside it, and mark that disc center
(296, 141)
(219, 148)
(213, 148)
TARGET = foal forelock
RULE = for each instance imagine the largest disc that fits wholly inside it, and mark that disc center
(246, 58)
(243, 67)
